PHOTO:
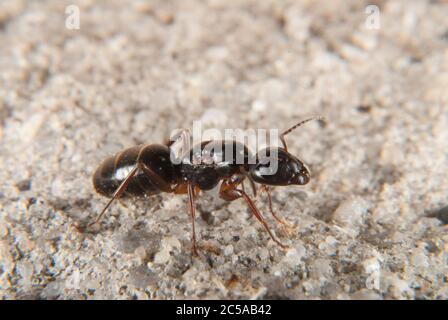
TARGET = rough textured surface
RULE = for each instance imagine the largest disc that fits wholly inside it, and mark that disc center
(368, 224)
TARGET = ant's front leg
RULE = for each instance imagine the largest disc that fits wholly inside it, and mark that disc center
(117, 194)
(229, 192)
(285, 223)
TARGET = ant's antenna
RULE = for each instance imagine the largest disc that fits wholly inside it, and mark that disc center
(282, 136)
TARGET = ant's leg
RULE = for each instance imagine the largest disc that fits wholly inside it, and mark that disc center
(181, 188)
(117, 194)
(156, 179)
(252, 184)
(191, 198)
(268, 192)
(251, 181)
(229, 192)
(284, 133)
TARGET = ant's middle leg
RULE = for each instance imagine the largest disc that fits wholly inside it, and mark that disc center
(230, 192)
(191, 200)
(251, 181)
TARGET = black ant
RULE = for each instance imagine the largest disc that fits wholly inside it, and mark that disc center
(146, 170)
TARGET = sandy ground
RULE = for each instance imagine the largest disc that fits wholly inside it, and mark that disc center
(369, 224)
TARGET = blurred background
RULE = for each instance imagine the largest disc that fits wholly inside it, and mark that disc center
(81, 80)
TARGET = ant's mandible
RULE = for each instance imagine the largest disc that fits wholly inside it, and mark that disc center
(146, 170)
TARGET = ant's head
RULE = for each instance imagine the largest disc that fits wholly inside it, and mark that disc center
(277, 167)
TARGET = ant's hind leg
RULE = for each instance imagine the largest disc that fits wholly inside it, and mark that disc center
(117, 194)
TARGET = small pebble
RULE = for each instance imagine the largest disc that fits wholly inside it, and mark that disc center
(24, 185)
(351, 214)
(442, 215)
(228, 250)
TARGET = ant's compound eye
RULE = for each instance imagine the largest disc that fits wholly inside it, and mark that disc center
(301, 178)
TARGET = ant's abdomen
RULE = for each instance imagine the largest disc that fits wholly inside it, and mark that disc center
(112, 172)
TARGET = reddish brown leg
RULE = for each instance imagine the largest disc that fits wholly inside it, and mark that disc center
(251, 181)
(181, 188)
(191, 198)
(252, 184)
(157, 179)
(229, 192)
(122, 188)
(268, 192)
(117, 194)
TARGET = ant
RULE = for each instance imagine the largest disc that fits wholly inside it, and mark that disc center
(147, 170)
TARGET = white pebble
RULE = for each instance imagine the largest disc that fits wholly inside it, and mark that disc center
(321, 269)
(228, 250)
(351, 214)
(167, 245)
(328, 246)
(371, 265)
(140, 252)
(52, 290)
(258, 106)
(294, 256)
